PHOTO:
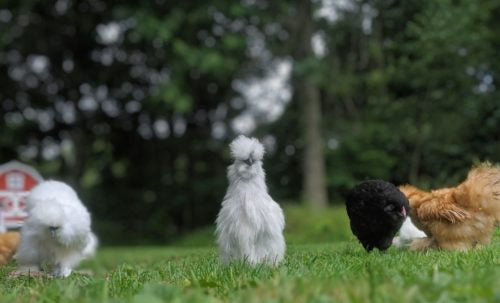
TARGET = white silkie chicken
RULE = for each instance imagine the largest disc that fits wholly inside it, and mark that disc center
(56, 232)
(250, 224)
(407, 234)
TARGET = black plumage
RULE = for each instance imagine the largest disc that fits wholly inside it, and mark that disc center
(376, 211)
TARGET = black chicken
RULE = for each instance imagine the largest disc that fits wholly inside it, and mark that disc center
(376, 210)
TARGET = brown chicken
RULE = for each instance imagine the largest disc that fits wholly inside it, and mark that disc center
(8, 245)
(461, 217)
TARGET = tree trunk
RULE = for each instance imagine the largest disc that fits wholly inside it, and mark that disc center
(308, 96)
(313, 159)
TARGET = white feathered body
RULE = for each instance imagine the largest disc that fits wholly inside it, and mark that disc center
(57, 230)
(250, 223)
(407, 233)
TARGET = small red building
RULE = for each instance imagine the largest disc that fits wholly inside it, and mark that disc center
(16, 181)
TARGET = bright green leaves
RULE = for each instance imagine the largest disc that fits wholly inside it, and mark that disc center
(171, 97)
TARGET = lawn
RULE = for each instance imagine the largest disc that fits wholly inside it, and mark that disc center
(340, 271)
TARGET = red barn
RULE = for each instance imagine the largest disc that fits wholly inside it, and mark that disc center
(16, 181)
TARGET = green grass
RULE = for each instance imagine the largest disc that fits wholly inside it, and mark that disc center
(303, 226)
(330, 272)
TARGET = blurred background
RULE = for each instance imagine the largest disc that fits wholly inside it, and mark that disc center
(134, 102)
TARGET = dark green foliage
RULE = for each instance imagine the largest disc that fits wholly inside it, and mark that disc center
(167, 65)
(405, 105)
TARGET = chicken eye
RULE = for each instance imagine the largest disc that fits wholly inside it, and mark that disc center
(389, 207)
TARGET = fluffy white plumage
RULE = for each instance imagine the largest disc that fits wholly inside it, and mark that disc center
(407, 233)
(250, 223)
(56, 232)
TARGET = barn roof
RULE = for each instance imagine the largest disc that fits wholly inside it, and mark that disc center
(16, 165)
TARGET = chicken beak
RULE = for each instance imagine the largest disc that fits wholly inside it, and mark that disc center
(53, 231)
(403, 212)
(249, 161)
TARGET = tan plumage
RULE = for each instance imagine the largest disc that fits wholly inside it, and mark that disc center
(8, 245)
(460, 217)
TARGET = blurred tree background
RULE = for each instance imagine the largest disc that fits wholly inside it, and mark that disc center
(134, 103)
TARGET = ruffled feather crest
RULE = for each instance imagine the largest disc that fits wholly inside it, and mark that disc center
(243, 148)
